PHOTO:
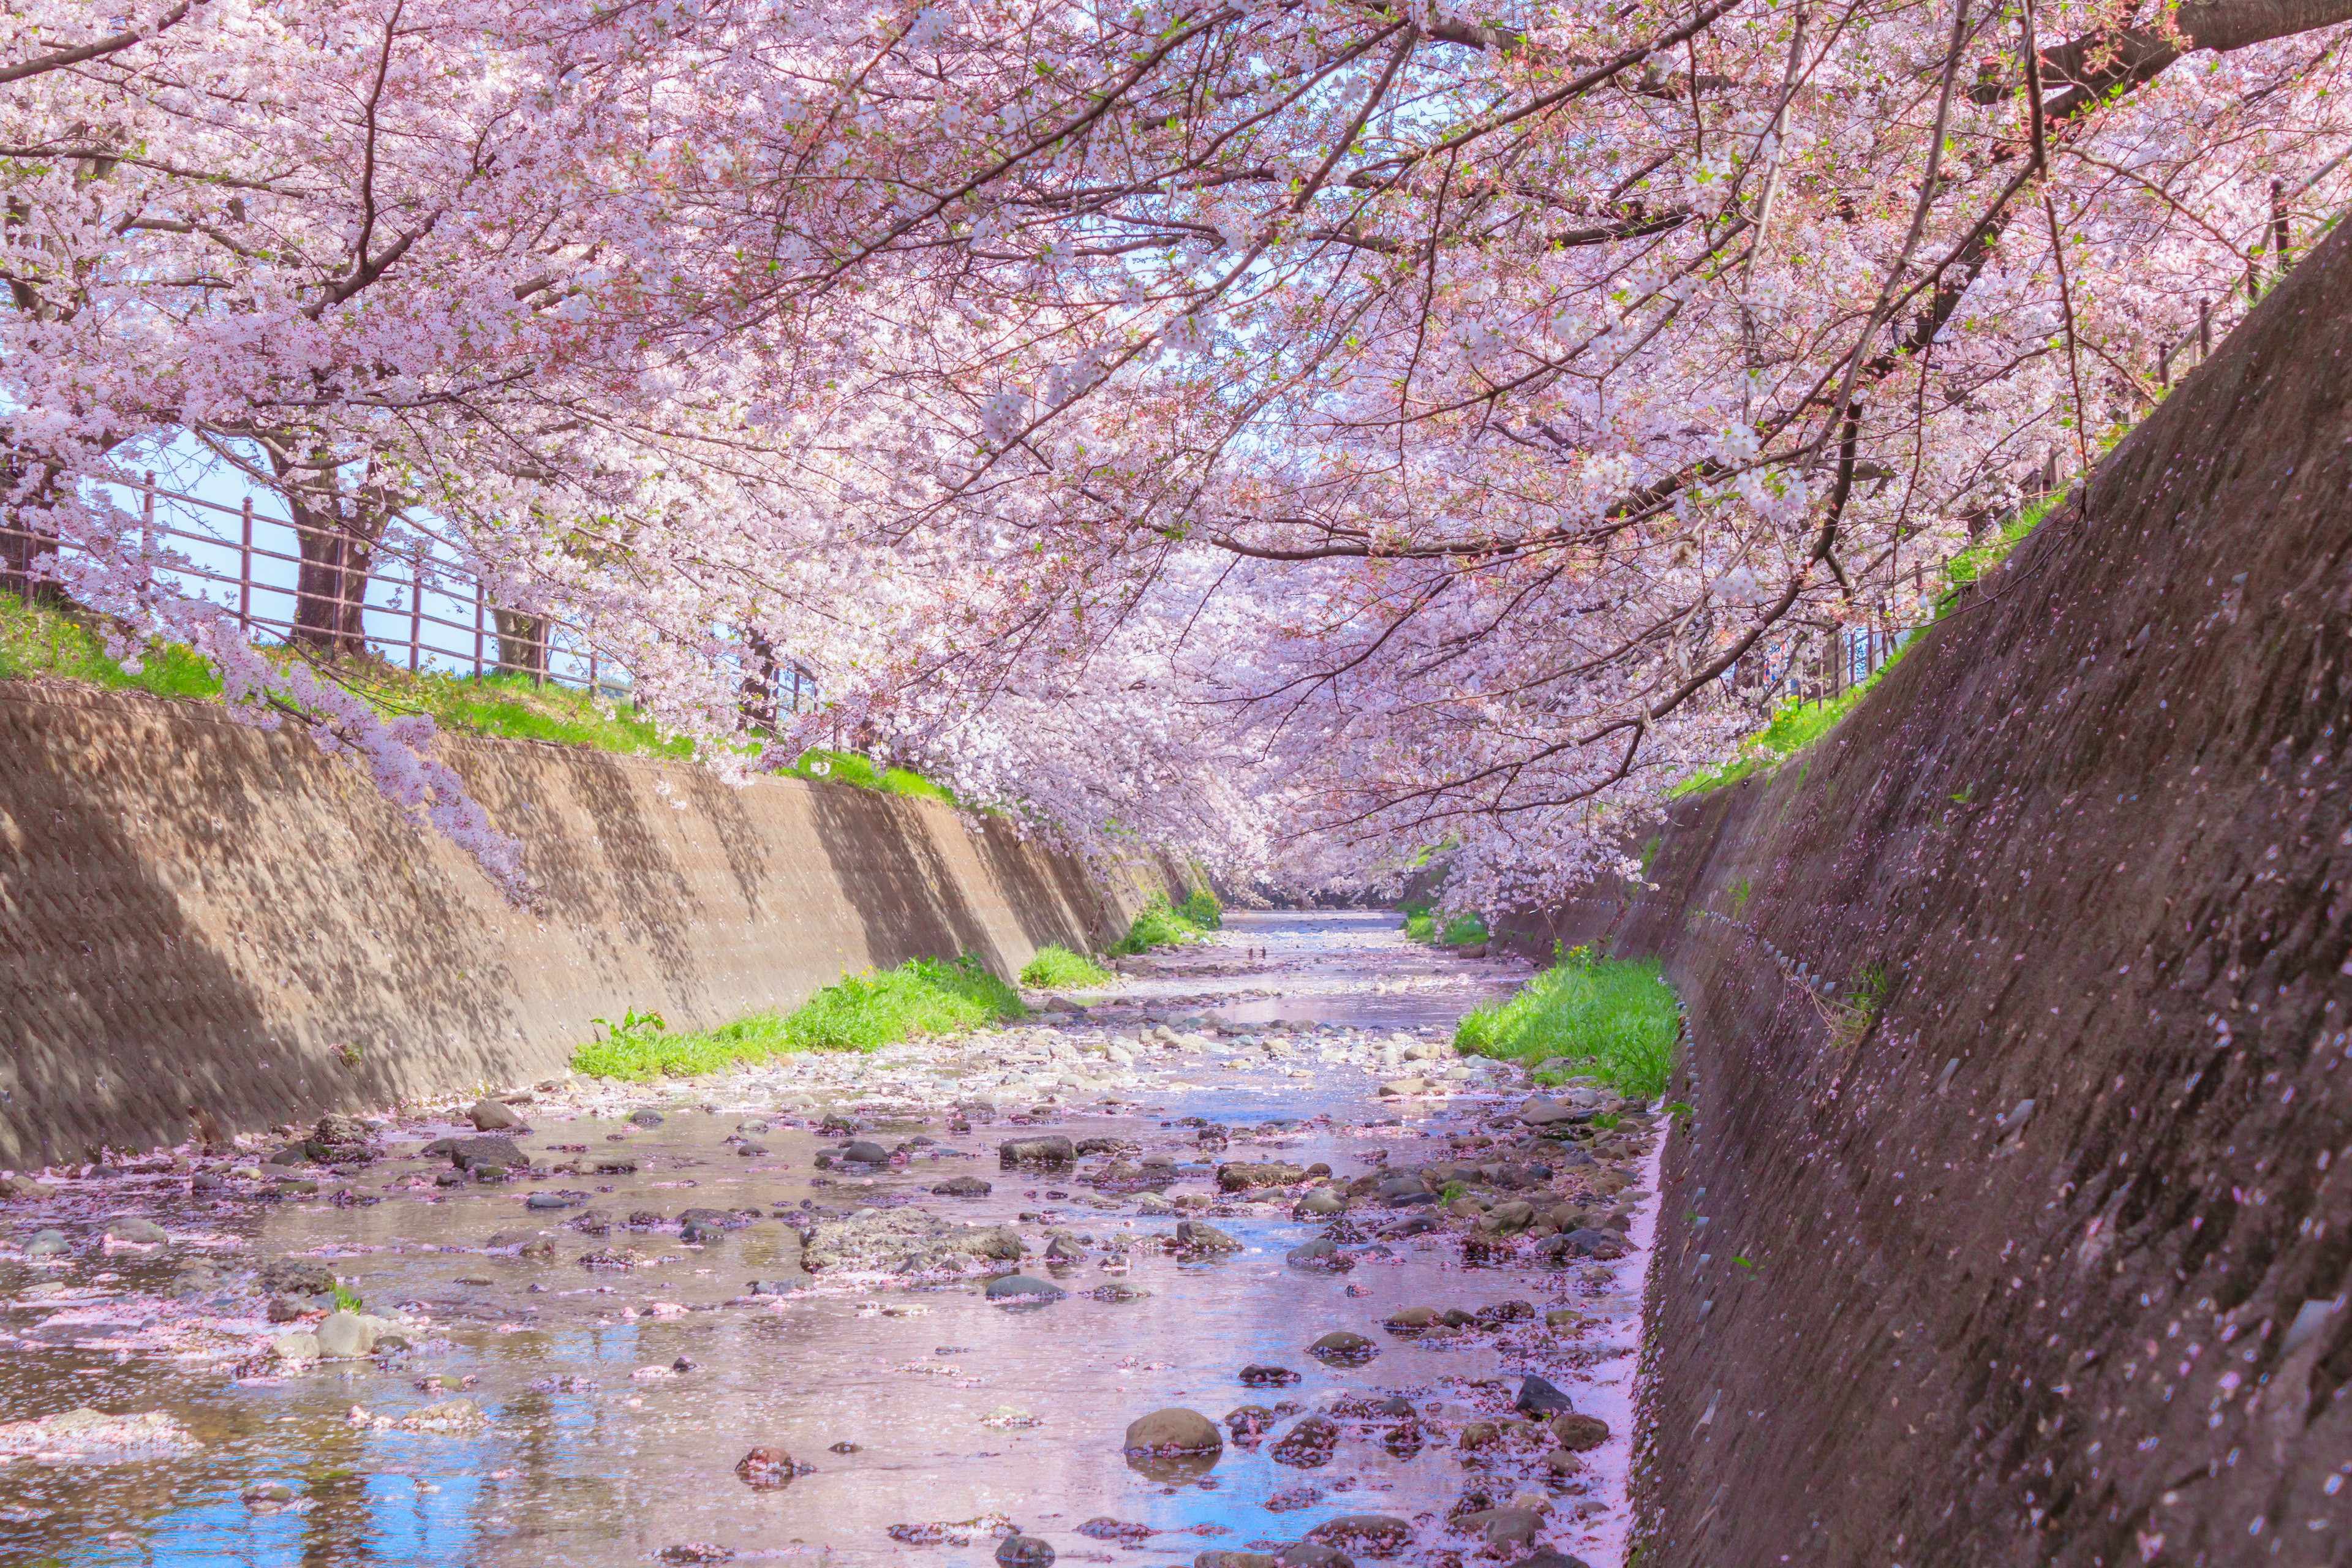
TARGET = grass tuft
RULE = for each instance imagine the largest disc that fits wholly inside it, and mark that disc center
(858, 1012)
(859, 773)
(1458, 931)
(1058, 969)
(1202, 910)
(1616, 1017)
(1156, 926)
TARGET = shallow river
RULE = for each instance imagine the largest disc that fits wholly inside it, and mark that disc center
(617, 1403)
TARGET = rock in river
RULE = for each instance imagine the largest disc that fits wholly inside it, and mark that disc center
(866, 1152)
(765, 1467)
(1242, 1178)
(1174, 1430)
(1540, 1398)
(491, 1116)
(1344, 1348)
(1200, 1235)
(1308, 1444)
(342, 1335)
(1024, 1551)
(1259, 1375)
(1579, 1433)
(1372, 1534)
(1021, 1287)
(1051, 1149)
(137, 1231)
(1322, 1254)
(964, 1187)
(467, 1152)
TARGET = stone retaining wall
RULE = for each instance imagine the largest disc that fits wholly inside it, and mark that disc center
(194, 913)
(2015, 1222)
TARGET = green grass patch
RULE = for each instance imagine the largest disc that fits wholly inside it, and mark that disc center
(65, 642)
(1454, 931)
(1159, 925)
(1057, 969)
(858, 1013)
(859, 773)
(1202, 910)
(1615, 1016)
(42, 639)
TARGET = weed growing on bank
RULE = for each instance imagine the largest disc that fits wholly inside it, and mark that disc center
(1161, 925)
(1058, 969)
(859, 773)
(1202, 910)
(63, 643)
(1615, 1019)
(858, 1013)
(1458, 931)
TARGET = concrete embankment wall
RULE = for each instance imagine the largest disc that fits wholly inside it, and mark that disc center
(2039, 1252)
(197, 914)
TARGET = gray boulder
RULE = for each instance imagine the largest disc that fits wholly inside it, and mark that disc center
(491, 1116)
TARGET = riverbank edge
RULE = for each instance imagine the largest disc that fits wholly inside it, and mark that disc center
(208, 928)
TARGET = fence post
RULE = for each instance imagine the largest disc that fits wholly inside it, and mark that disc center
(244, 566)
(477, 629)
(591, 669)
(416, 606)
(2204, 329)
(147, 511)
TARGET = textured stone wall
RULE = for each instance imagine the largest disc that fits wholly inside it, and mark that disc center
(197, 914)
(2014, 1223)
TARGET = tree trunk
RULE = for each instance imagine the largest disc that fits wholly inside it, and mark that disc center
(758, 690)
(523, 643)
(337, 533)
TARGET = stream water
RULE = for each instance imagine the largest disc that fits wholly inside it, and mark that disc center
(615, 1403)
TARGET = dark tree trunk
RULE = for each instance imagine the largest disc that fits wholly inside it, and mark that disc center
(522, 642)
(757, 689)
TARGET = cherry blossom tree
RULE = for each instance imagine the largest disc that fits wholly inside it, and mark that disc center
(1227, 426)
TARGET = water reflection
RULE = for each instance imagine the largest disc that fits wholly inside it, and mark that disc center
(596, 1451)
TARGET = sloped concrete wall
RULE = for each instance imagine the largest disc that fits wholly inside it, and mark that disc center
(194, 913)
(2015, 1222)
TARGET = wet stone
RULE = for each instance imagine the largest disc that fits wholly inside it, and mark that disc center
(1322, 1254)
(865, 1153)
(343, 1335)
(1344, 1348)
(765, 1467)
(1021, 1288)
(1054, 1150)
(1200, 1235)
(1579, 1433)
(1024, 1551)
(964, 1187)
(1367, 1534)
(1259, 1375)
(1308, 1444)
(491, 1116)
(1539, 1396)
(645, 1118)
(1174, 1430)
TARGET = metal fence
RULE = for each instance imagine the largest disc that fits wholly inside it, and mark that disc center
(405, 596)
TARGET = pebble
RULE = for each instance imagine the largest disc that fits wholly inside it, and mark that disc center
(1024, 1551)
(964, 1187)
(491, 1116)
(137, 1231)
(46, 1244)
(341, 1335)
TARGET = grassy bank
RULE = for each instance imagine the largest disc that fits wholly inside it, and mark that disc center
(65, 644)
(1615, 1018)
(1452, 931)
(1059, 969)
(1162, 924)
(858, 1012)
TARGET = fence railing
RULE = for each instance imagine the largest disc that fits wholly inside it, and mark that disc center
(405, 596)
